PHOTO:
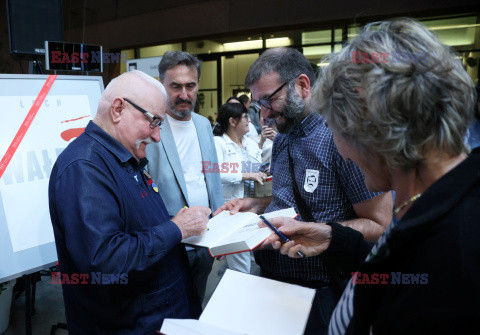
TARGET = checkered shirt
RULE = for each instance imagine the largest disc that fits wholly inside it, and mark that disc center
(340, 185)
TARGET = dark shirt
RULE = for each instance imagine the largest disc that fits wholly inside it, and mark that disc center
(428, 264)
(109, 221)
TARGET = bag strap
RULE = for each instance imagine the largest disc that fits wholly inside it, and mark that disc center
(302, 206)
(338, 281)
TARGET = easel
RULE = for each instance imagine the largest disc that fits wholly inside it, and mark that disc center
(30, 281)
(25, 265)
(30, 290)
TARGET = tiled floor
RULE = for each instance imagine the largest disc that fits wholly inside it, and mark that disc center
(49, 309)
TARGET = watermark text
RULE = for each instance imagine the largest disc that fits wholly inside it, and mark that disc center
(392, 278)
(93, 278)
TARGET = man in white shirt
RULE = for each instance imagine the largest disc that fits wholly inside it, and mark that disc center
(176, 162)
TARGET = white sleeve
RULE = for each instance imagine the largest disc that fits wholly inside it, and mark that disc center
(230, 172)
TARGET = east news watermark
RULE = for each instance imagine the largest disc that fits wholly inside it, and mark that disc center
(359, 57)
(230, 167)
(392, 278)
(92, 278)
(94, 57)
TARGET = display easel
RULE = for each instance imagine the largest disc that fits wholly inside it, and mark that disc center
(16, 94)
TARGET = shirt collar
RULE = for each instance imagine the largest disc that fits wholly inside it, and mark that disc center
(112, 145)
(308, 124)
(229, 140)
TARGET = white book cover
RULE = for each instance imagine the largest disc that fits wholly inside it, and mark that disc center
(247, 304)
(228, 234)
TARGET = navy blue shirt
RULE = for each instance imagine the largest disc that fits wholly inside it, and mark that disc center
(328, 184)
(108, 220)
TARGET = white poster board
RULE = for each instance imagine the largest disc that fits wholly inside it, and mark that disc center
(26, 235)
(147, 65)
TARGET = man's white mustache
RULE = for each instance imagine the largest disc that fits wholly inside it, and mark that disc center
(147, 141)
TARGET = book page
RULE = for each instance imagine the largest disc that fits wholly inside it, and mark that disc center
(246, 232)
(192, 327)
(252, 229)
(287, 212)
(257, 306)
(220, 226)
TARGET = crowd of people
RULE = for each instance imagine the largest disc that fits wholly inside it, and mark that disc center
(375, 158)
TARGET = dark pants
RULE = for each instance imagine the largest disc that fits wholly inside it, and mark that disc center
(200, 264)
(323, 304)
(322, 308)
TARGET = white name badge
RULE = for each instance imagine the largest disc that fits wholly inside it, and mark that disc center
(311, 180)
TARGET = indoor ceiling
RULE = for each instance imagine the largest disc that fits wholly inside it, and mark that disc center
(107, 10)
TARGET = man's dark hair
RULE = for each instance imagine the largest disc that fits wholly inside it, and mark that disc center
(288, 63)
(234, 98)
(244, 99)
(173, 58)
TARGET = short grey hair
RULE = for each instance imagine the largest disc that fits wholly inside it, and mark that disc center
(401, 110)
(288, 63)
(173, 58)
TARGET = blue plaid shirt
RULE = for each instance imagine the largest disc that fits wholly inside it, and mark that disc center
(336, 186)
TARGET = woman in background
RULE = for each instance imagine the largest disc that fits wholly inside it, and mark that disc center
(252, 131)
(239, 159)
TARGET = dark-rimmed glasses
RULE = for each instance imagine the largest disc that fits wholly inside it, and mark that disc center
(266, 102)
(156, 121)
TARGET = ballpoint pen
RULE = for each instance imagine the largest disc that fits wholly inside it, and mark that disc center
(279, 233)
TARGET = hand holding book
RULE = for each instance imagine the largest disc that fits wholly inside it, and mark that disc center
(230, 234)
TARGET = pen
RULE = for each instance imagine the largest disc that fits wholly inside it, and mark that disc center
(279, 233)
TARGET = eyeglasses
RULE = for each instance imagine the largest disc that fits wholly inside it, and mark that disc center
(266, 102)
(156, 121)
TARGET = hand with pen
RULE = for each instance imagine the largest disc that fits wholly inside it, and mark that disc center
(192, 221)
(309, 238)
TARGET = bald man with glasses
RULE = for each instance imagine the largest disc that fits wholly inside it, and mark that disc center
(111, 227)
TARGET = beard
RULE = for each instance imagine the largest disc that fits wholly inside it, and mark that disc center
(292, 111)
(181, 113)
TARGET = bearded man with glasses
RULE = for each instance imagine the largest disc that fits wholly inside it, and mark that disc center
(308, 174)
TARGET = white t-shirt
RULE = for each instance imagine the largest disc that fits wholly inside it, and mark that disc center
(188, 147)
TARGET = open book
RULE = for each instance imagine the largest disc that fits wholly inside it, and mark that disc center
(247, 304)
(229, 234)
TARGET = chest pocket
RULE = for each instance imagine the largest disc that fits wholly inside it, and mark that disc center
(230, 152)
